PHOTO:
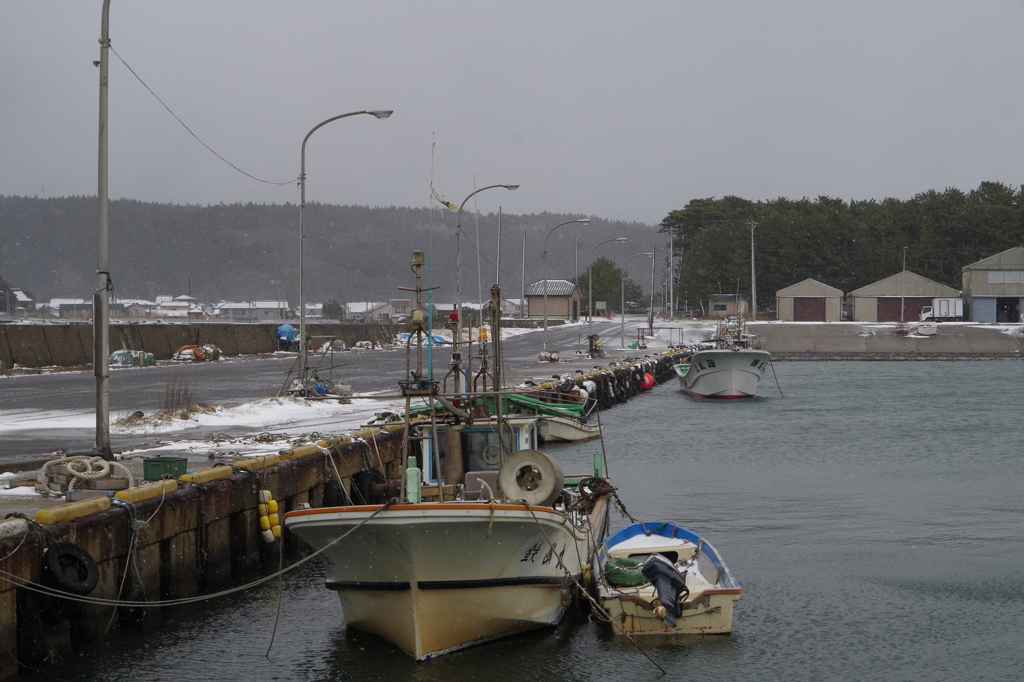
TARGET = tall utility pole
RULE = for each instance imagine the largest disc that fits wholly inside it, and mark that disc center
(671, 275)
(753, 275)
(101, 297)
(654, 267)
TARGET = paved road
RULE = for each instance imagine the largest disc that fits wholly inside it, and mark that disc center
(234, 382)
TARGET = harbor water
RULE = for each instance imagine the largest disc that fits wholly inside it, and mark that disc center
(874, 516)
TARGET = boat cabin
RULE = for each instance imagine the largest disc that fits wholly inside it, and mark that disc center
(480, 449)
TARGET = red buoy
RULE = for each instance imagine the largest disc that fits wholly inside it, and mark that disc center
(647, 383)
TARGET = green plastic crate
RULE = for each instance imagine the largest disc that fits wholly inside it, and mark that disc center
(155, 467)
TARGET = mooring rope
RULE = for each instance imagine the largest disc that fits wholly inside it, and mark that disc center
(599, 610)
(43, 589)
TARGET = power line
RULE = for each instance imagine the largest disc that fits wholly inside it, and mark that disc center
(269, 182)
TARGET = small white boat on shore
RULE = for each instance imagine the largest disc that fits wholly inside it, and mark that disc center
(660, 578)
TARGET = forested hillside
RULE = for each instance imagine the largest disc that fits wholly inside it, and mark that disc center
(250, 251)
(843, 244)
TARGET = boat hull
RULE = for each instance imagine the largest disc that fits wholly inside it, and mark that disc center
(729, 373)
(564, 430)
(713, 590)
(434, 578)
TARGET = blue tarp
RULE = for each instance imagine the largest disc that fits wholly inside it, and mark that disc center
(286, 332)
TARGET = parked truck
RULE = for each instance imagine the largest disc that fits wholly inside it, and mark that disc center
(943, 310)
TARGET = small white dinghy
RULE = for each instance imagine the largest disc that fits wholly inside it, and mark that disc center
(660, 578)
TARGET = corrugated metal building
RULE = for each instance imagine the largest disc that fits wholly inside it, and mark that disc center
(810, 301)
(563, 300)
(994, 287)
(898, 298)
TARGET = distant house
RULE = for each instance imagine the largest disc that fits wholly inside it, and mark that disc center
(173, 306)
(513, 307)
(399, 307)
(810, 301)
(79, 308)
(563, 300)
(251, 311)
(724, 305)
(138, 307)
(898, 298)
(994, 287)
(366, 311)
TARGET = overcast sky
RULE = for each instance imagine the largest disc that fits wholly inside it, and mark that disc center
(622, 110)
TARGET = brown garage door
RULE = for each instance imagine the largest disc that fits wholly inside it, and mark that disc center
(808, 309)
(890, 308)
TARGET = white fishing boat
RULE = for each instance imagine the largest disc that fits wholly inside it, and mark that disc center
(726, 373)
(726, 366)
(481, 538)
(660, 578)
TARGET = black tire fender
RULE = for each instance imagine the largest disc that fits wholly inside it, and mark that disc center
(69, 568)
(128, 614)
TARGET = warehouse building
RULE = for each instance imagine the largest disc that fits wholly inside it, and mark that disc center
(898, 298)
(994, 287)
(810, 301)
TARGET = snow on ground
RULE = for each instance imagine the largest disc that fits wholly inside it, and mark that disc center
(271, 420)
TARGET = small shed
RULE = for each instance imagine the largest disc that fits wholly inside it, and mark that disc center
(810, 301)
(994, 287)
(725, 305)
(898, 298)
(563, 299)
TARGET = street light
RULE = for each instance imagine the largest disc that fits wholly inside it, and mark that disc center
(380, 114)
(458, 259)
(590, 282)
(622, 313)
(581, 221)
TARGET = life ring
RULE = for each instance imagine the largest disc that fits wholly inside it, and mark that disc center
(69, 568)
(531, 476)
(624, 572)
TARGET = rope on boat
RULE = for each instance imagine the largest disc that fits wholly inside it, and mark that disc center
(776, 379)
(599, 610)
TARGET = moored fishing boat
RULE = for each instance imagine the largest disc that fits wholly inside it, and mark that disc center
(725, 366)
(482, 537)
(660, 578)
(727, 373)
(564, 430)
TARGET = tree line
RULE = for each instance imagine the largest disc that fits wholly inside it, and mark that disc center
(843, 244)
(243, 252)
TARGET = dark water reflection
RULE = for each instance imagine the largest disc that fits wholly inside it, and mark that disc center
(873, 517)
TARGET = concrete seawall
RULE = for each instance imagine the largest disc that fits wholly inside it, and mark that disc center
(70, 345)
(879, 341)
